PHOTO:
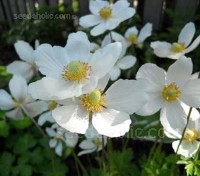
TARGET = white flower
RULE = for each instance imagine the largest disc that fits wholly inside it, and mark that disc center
(180, 48)
(27, 67)
(23, 102)
(124, 62)
(110, 110)
(190, 144)
(59, 135)
(167, 90)
(47, 116)
(132, 35)
(94, 47)
(106, 16)
(73, 70)
(94, 141)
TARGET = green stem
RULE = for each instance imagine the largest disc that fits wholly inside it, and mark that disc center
(188, 119)
(79, 163)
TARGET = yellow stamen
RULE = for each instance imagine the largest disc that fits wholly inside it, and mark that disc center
(98, 143)
(191, 135)
(170, 92)
(52, 105)
(132, 38)
(178, 47)
(105, 12)
(76, 71)
(93, 101)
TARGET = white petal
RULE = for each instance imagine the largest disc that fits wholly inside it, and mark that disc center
(72, 118)
(54, 89)
(120, 5)
(45, 117)
(112, 23)
(186, 149)
(71, 139)
(172, 116)
(99, 29)
(112, 123)
(126, 96)
(187, 34)
(95, 6)
(52, 143)
(86, 152)
(35, 108)
(124, 14)
(21, 68)
(103, 82)
(161, 49)
(37, 44)
(126, 62)
(145, 32)
(59, 149)
(153, 75)
(115, 73)
(86, 145)
(51, 60)
(51, 132)
(18, 88)
(92, 133)
(109, 54)
(94, 47)
(180, 71)
(153, 105)
(6, 102)
(78, 47)
(190, 93)
(24, 50)
(15, 114)
(89, 20)
(132, 30)
(193, 45)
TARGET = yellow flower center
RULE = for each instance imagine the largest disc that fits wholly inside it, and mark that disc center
(76, 71)
(105, 12)
(178, 47)
(93, 101)
(132, 38)
(170, 92)
(191, 135)
(52, 105)
(98, 143)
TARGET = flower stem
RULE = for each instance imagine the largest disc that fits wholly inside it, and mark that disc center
(188, 119)
(79, 163)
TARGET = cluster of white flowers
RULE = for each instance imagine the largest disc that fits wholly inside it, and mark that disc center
(73, 94)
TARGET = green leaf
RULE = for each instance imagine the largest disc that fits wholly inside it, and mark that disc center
(189, 169)
(6, 161)
(22, 124)
(24, 143)
(4, 129)
(25, 170)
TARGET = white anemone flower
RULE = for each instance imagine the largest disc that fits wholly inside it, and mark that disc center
(134, 37)
(109, 112)
(190, 144)
(25, 68)
(124, 62)
(22, 102)
(106, 16)
(167, 90)
(180, 48)
(58, 136)
(93, 142)
(73, 70)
